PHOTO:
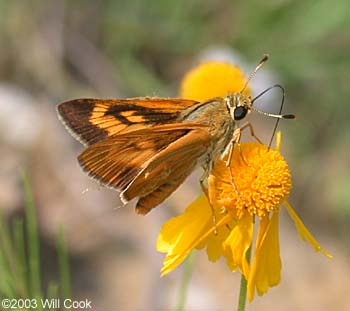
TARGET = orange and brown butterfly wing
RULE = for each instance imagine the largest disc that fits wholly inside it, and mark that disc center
(149, 163)
(168, 169)
(93, 120)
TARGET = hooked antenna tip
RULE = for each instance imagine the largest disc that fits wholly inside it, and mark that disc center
(265, 58)
(289, 116)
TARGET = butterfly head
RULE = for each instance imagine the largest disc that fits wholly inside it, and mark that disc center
(238, 105)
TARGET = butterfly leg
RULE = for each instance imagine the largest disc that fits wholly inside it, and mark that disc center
(202, 180)
(229, 160)
(252, 133)
(235, 140)
(207, 168)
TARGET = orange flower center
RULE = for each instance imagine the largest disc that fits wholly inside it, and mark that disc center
(260, 181)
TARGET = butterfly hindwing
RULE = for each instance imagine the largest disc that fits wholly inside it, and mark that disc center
(167, 170)
(119, 160)
(93, 120)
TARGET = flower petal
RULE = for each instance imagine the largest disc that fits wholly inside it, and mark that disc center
(278, 140)
(238, 242)
(266, 266)
(181, 234)
(214, 243)
(304, 233)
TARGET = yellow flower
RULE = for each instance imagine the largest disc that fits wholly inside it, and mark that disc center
(244, 200)
(261, 183)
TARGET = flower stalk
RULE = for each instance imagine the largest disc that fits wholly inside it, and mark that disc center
(242, 298)
(188, 268)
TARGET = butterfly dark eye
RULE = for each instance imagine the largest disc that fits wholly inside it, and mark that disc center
(240, 113)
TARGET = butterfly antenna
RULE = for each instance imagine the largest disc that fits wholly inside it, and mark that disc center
(261, 63)
(280, 111)
(277, 116)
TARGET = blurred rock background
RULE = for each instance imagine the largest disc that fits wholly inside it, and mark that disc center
(52, 51)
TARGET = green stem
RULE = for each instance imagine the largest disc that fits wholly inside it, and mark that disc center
(63, 264)
(185, 281)
(33, 239)
(243, 288)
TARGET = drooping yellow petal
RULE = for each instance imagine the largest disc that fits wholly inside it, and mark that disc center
(264, 224)
(214, 243)
(181, 234)
(238, 242)
(304, 233)
(266, 265)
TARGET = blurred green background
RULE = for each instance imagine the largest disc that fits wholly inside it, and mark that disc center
(52, 51)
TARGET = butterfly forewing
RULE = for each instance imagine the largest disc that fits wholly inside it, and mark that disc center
(93, 120)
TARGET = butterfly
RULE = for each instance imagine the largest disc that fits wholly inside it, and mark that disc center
(146, 147)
